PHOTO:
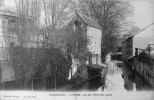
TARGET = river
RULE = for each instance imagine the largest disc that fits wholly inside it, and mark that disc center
(114, 80)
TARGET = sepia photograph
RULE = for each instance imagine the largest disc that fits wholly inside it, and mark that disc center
(76, 49)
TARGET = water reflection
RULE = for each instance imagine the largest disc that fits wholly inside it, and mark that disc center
(114, 80)
(128, 77)
(133, 80)
(121, 77)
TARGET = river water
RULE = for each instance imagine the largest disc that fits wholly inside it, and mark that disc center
(114, 80)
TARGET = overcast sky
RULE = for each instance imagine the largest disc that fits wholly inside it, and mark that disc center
(143, 15)
(144, 12)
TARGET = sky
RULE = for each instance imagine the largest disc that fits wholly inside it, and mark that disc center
(143, 11)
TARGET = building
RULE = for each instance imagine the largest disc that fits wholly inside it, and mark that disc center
(127, 45)
(7, 19)
(144, 67)
(137, 58)
(137, 38)
(93, 65)
(94, 33)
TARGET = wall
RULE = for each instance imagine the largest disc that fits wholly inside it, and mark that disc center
(6, 24)
(94, 46)
(127, 48)
(144, 69)
(95, 40)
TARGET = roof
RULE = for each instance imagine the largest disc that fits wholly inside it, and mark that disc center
(150, 46)
(145, 55)
(141, 30)
(89, 21)
(133, 31)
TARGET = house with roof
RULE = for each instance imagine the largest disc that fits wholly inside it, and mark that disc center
(94, 34)
(93, 64)
(138, 54)
(137, 38)
(127, 46)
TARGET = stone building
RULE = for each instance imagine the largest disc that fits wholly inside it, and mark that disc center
(144, 67)
(137, 39)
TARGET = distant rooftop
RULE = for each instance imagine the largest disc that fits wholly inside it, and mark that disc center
(150, 46)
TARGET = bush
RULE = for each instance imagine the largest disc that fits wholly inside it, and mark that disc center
(33, 63)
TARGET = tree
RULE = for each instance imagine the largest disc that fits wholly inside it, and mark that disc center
(111, 16)
(55, 12)
(27, 21)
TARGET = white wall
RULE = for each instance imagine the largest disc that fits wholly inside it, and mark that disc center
(94, 46)
(95, 40)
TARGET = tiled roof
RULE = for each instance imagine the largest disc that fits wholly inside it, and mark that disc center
(89, 21)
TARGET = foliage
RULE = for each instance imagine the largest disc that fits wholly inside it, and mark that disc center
(55, 12)
(26, 26)
(33, 63)
(77, 41)
(112, 16)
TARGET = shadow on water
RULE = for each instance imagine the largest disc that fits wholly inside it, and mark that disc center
(133, 80)
(127, 75)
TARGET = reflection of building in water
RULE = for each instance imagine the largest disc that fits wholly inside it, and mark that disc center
(127, 76)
